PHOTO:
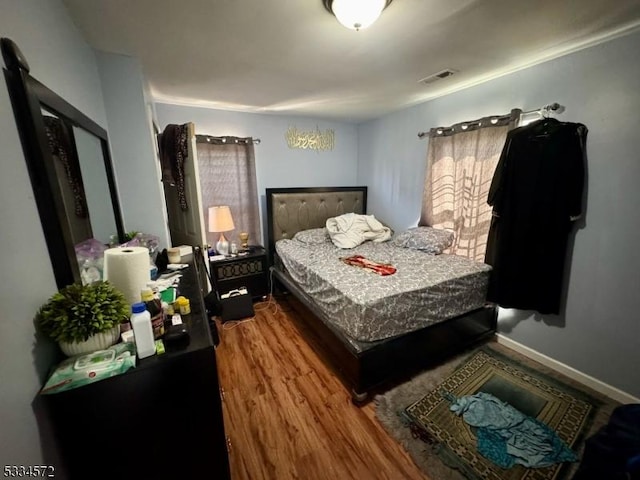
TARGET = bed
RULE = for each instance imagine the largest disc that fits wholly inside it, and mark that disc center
(372, 333)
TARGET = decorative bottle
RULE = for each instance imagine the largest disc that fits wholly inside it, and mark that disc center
(154, 307)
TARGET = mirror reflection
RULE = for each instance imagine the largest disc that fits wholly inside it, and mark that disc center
(82, 179)
(68, 176)
(96, 185)
(68, 159)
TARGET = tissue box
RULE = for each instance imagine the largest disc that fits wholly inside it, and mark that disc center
(185, 250)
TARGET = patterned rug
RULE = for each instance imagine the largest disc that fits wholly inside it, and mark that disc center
(566, 409)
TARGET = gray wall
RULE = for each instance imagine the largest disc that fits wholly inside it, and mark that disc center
(132, 146)
(598, 333)
(60, 59)
(276, 164)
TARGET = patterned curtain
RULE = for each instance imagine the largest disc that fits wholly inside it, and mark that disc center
(461, 161)
(227, 171)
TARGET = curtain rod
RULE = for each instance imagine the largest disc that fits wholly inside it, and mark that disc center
(543, 111)
(211, 138)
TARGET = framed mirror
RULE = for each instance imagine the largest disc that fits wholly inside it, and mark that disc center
(69, 165)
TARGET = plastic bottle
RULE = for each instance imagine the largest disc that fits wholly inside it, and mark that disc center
(141, 323)
(154, 306)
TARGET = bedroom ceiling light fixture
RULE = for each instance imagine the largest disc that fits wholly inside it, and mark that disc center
(356, 14)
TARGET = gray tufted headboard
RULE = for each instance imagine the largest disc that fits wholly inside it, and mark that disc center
(290, 210)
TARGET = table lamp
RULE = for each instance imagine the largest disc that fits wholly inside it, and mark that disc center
(220, 220)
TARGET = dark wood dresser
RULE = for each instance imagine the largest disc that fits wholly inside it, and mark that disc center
(160, 420)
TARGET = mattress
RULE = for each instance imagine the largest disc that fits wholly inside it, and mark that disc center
(366, 307)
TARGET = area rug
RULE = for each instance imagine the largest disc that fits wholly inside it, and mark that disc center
(444, 446)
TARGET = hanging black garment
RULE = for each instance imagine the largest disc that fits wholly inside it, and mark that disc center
(536, 193)
(61, 148)
(173, 149)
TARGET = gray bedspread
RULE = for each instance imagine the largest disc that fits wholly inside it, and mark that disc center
(367, 307)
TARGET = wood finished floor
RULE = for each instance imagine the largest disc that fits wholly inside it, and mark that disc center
(288, 416)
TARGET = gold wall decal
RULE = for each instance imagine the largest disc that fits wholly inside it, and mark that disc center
(313, 139)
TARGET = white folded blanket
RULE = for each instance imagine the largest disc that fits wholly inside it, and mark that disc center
(350, 230)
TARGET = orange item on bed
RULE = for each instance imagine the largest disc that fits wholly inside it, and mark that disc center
(379, 268)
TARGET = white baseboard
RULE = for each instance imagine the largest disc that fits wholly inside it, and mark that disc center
(578, 376)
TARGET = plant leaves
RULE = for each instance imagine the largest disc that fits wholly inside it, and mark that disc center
(78, 311)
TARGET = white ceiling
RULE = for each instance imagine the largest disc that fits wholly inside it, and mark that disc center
(293, 57)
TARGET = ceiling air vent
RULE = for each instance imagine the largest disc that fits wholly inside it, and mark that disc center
(437, 76)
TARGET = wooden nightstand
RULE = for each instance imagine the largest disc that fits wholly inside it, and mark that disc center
(250, 270)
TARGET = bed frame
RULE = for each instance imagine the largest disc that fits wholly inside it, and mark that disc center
(290, 210)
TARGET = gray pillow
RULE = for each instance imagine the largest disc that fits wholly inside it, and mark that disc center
(426, 239)
(313, 236)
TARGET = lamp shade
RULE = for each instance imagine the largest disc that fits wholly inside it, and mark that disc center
(220, 219)
(357, 14)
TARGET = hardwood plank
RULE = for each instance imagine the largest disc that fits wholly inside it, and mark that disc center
(288, 416)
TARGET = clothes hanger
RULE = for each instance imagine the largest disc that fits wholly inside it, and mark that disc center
(544, 126)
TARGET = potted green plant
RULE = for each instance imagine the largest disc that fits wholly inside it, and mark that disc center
(84, 318)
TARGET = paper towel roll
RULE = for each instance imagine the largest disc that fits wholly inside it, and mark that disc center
(127, 269)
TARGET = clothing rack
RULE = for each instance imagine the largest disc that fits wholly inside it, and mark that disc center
(543, 111)
(210, 138)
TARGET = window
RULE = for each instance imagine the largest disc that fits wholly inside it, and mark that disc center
(228, 177)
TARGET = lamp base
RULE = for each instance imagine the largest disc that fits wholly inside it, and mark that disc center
(222, 246)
